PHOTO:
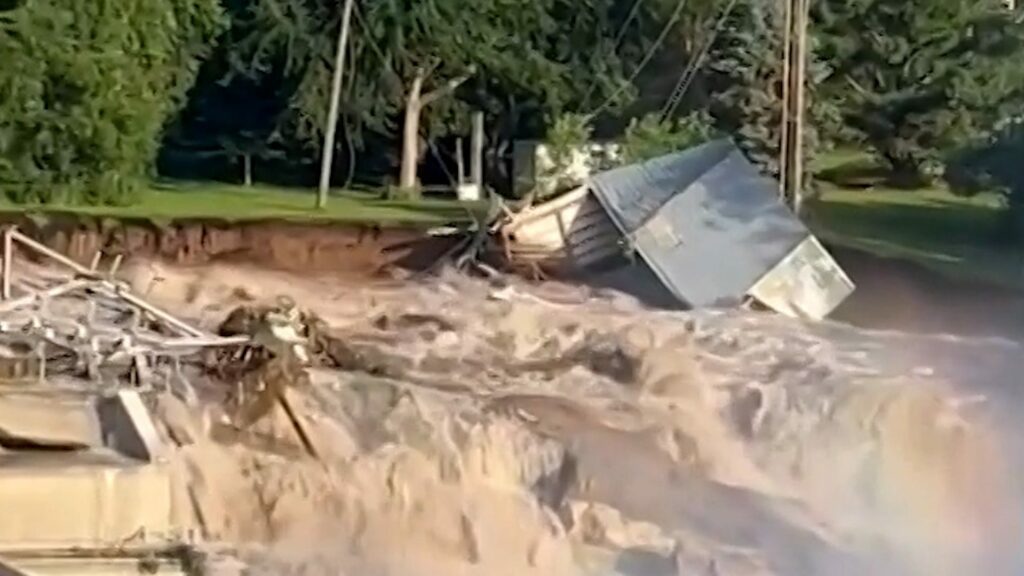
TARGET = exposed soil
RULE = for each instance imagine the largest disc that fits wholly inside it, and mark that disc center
(358, 250)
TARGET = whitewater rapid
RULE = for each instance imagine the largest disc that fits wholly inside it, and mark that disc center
(554, 430)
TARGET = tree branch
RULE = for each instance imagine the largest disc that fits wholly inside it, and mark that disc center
(448, 87)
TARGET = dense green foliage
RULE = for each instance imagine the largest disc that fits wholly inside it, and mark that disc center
(229, 119)
(86, 86)
(995, 164)
(649, 137)
(745, 71)
(89, 88)
(528, 60)
(915, 79)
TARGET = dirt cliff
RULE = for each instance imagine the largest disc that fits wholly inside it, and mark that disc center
(358, 249)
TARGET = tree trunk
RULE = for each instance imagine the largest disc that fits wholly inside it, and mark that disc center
(414, 104)
(411, 134)
(247, 167)
(904, 170)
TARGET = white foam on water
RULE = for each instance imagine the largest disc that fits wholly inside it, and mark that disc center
(638, 442)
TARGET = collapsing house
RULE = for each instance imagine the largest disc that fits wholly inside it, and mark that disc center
(704, 221)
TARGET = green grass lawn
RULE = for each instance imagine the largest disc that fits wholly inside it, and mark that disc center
(183, 200)
(931, 226)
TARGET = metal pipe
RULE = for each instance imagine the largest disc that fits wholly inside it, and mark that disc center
(157, 312)
(58, 290)
(8, 257)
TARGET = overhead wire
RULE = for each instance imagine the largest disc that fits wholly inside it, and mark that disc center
(361, 20)
(676, 14)
(694, 65)
(634, 11)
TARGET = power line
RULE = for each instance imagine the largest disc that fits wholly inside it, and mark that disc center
(633, 12)
(646, 59)
(361, 20)
(695, 64)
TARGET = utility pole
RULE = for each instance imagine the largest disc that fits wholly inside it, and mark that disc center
(791, 161)
(476, 160)
(330, 131)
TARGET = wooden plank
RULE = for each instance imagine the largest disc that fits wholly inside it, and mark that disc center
(192, 341)
(541, 210)
(555, 239)
(607, 235)
(112, 273)
(549, 228)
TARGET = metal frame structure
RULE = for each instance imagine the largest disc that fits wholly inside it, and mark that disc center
(135, 333)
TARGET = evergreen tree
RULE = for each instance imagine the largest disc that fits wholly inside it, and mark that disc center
(745, 74)
(86, 87)
(993, 164)
(915, 79)
(231, 118)
(419, 68)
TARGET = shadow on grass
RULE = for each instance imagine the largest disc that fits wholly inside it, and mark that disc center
(863, 172)
(935, 223)
(962, 239)
(854, 177)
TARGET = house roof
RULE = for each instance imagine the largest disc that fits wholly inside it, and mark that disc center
(705, 220)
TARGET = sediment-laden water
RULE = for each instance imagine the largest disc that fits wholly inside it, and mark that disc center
(551, 430)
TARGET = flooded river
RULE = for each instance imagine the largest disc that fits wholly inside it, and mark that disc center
(553, 430)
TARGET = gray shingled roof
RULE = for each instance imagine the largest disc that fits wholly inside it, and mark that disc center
(705, 221)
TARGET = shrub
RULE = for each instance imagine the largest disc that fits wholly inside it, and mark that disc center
(86, 88)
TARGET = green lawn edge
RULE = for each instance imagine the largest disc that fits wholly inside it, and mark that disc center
(180, 201)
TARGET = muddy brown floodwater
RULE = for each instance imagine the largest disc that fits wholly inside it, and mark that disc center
(553, 430)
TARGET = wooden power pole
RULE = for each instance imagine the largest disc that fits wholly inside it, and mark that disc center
(330, 130)
(791, 161)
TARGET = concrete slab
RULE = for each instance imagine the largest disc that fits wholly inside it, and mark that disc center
(48, 422)
(60, 501)
(128, 427)
(89, 567)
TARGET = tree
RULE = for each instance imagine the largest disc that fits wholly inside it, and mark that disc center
(917, 78)
(745, 76)
(232, 116)
(650, 137)
(993, 164)
(86, 88)
(426, 65)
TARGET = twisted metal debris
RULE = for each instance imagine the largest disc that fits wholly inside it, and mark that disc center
(75, 322)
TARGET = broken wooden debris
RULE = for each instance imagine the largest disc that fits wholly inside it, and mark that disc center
(264, 377)
(87, 323)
